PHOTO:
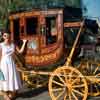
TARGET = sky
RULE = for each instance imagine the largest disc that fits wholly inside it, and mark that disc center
(93, 8)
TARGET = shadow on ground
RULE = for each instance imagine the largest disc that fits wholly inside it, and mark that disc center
(29, 93)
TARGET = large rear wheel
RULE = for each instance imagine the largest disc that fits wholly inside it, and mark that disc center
(91, 70)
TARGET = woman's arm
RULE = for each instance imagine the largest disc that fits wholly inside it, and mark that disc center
(22, 48)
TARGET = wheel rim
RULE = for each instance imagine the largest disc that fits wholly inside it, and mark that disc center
(91, 70)
(67, 83)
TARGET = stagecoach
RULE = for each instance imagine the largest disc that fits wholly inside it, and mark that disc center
(44, 30)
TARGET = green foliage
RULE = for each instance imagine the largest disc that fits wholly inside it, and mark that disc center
(8, 6)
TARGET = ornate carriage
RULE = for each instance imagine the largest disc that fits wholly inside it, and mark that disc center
(44, 32)
(45, 35)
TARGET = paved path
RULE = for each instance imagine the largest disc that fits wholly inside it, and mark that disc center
(32, 94)
(38, 94)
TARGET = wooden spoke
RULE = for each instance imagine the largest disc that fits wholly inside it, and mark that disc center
(58, 89)
(70, 75)
(87, 65)
(69, 96)
(75, 80)
(95, 70)
(74, 96)
(91, 67)
(78, 66)
(62, 80)
(78, 86)
(98, 75)
(65, 97)
(78, 92)
(60, 94)
(57, 83)
(66, 77)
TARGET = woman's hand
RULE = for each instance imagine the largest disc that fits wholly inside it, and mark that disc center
(22, 47)
(24, 41)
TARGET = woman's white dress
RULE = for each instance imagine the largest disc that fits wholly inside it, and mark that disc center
(7, 65)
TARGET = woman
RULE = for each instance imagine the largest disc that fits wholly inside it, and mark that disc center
(7, 65)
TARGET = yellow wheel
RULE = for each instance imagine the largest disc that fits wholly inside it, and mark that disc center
(67, 83)
(91, 70)
(35, 81)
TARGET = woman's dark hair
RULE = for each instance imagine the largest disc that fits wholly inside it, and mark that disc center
(6, 31)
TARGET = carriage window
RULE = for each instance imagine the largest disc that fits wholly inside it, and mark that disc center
(31, 25)
(16, 29)
(51, 30)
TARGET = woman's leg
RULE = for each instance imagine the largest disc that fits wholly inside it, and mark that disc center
(6, 97)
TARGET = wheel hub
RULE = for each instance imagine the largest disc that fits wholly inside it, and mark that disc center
(69, 86)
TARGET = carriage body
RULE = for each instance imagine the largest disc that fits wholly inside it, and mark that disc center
(44, 32)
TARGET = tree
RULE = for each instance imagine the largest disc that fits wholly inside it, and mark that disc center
(8, 6)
